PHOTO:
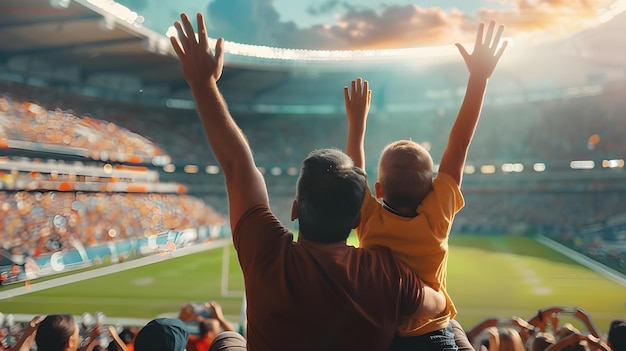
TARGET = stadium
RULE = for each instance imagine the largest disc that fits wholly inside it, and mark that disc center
(114, 205)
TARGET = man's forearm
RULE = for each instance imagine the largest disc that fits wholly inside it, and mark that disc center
(226, 139)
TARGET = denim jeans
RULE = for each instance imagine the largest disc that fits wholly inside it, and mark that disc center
(438, 340)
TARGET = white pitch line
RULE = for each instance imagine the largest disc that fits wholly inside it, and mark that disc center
(114, 268)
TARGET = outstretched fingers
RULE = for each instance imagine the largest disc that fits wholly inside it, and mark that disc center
(489, 35)
(501, 50)
(203, 38)
(189, 32)
(463, 52)
(479, 34)
(496, 40)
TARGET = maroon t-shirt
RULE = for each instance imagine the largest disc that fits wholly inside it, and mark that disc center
(315, 296)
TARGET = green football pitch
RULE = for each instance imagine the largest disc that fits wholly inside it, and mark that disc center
(488, 276)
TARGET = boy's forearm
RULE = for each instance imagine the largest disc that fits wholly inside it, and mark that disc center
(463, 129)
(354, 146)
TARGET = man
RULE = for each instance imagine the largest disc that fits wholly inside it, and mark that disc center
(317, 293)
(162, 334)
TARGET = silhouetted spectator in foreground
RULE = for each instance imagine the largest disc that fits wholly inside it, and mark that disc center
(162, 334)
(617, 335)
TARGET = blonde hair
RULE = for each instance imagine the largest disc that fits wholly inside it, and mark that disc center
(405, 173)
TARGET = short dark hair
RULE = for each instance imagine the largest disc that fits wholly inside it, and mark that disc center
(330, 194)
(54, 331)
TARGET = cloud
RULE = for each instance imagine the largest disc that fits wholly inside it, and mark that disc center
(326, 7)
(554, 18)
(246, 21)
(396, 26)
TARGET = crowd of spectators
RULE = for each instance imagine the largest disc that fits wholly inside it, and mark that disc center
(95, 138)
(36, 223)
(548, 329)
(553, 328)
(194, 329)
(588, 127)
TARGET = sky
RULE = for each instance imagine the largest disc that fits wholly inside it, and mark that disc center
(373, 24)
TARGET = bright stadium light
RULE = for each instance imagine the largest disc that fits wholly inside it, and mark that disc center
(613, 163)
(60, 4)
(169, 168)
(212, 169)
(488, 169)
(585, 164)
(512, 167)
(469, 169)
(180, 104)
(292, 171)
(107, 168)
(539, 167)
(276, 171)
(191, 169)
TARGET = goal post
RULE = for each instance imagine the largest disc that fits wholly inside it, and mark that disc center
(224, 284)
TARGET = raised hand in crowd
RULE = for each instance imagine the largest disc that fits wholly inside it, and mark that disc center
(245, 184)
(357, 99)
(217, 313)
(480, 64)
(28, 335)
(198, 61)
(487, 51)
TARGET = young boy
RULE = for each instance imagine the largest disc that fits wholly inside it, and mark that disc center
(416, 212)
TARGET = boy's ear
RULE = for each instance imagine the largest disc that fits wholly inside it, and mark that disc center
(294, 210)
(379, 190)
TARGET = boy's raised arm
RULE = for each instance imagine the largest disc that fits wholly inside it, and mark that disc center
(357, 100)
(202, 68)
(480, 63)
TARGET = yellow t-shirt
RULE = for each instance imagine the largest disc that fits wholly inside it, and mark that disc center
(421, 242)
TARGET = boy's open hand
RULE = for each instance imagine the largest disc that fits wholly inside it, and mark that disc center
(483, 60)
(198, 62)
(357, 100)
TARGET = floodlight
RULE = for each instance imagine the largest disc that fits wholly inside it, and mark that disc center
(60, 4)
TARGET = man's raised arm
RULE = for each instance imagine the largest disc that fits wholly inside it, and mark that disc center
(244, 183)
(357, 102)
(480, 64)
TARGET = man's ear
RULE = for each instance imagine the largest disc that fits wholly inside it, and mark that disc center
(357, 221)
(294, 210)
(72, 344)
(379, 190)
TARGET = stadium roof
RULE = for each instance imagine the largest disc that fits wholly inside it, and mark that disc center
(98, 47)
(72, 41)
